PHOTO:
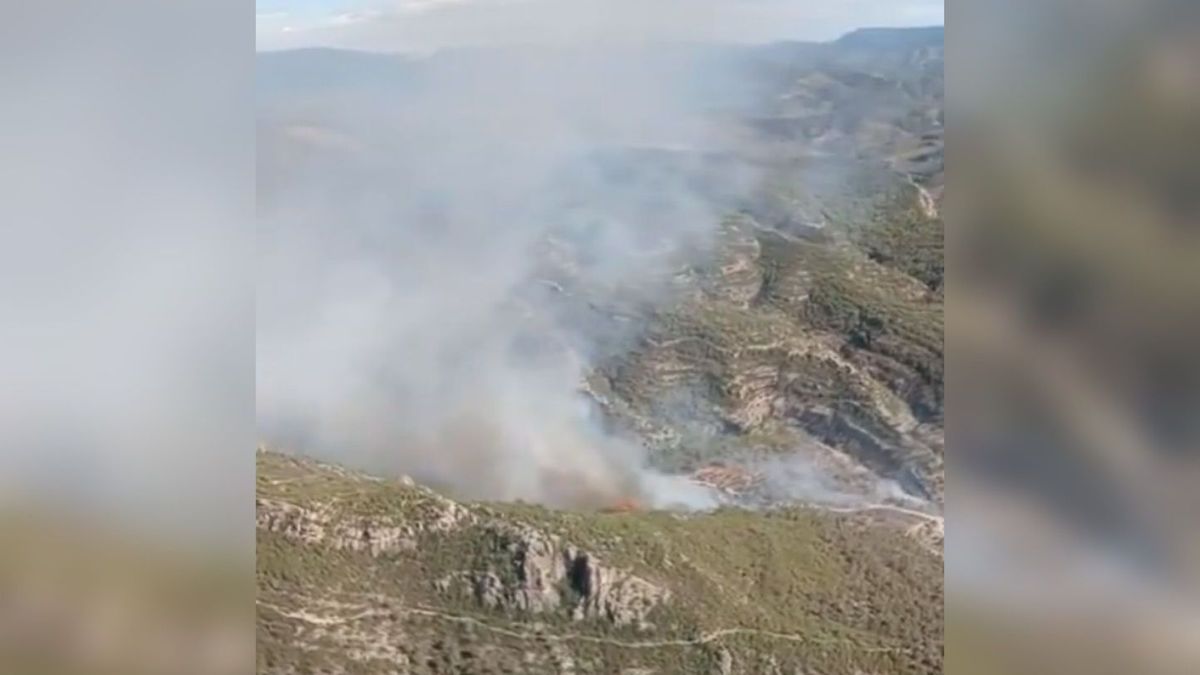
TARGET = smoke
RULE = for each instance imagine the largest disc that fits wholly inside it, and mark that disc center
(440, 243)
(796, 478)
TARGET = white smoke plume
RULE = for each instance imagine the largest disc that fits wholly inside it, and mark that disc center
(414, 229)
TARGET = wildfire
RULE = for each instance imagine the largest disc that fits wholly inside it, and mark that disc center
(624, 505)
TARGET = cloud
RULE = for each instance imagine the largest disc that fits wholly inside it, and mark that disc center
(416, 6)
(347, 18)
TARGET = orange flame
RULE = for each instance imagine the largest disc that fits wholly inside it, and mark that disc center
(624, 505)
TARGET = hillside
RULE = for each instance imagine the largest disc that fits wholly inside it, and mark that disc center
(359, 574)
(757, 309)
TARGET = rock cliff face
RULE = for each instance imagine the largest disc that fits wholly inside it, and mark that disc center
(534, 573)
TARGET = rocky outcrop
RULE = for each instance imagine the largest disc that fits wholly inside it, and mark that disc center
(532, 572)
(519, 568)
(292, 521)
(373, 535)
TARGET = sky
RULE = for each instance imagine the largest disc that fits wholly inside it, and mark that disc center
(419, 26)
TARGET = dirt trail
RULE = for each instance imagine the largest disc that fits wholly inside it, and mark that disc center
(939, 522)
(702, 639)
(880, 507)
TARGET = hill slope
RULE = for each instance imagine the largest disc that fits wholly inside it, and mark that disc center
(358, 574)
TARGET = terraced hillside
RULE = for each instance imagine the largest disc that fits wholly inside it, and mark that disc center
(788, 342)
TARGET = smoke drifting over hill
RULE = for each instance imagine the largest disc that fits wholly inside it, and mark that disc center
(412, 231)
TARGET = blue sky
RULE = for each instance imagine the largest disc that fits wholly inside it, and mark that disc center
(424, 25)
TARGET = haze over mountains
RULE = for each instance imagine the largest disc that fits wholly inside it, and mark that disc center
(425, 26)
(670, 276)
